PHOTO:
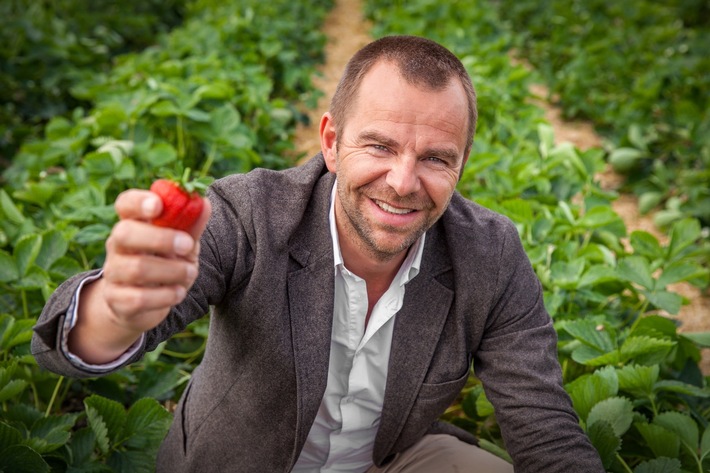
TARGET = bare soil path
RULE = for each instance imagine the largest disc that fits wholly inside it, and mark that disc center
(347, 31)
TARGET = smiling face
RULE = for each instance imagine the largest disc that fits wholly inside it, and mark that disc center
(397, 161)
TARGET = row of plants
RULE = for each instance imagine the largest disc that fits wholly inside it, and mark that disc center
(640, 71)
(48, 46)
(221, 93)
(633, 377)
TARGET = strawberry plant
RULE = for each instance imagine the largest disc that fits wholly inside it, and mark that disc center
(221, 93)
(633, 377)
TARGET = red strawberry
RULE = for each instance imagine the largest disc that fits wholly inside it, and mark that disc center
(182, 205)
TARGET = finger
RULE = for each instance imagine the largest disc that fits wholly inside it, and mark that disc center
(133, 236)
(149, 270)
(138, 204)
(142, 308)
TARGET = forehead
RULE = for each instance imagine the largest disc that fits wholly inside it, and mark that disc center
(384, 95)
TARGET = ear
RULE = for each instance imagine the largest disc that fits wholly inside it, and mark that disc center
(328, 139)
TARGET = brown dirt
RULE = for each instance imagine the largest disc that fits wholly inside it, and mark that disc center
(347, 31)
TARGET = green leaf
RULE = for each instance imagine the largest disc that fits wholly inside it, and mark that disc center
(659, 465)
(26, 252)
(92, 233)
(161, 155)
(547, 138)
(664, 300)
(637, 270)
(683, 234)
(661, 441)
(588, 390)
(484, 406)
(597, 274)
(9, 436)
(567, 274)
(645, 244)
(164, 108)
(146, 424)
(680, 271)
(590, 333)
(638, 380)
(617, 411)
(106, 418)
(683, 425)
(624, 159)
(607, 443)
(702, 339)
(598, 217)
(8, 268)
(12, 389)
(22, 459)
(649, 200)
(54, 246)
(679, 387)
(132, 461)
(12, 213)
(705, 443)
(641, 348)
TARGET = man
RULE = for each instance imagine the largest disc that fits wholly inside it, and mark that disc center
(349, 297)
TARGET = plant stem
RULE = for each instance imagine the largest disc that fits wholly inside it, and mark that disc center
(54, 396)
(181, 139)
(623, 463)
(25, 307)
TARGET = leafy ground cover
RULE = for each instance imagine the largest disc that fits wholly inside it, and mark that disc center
(46, 47)
(641, 72)
(221, 93)
(633, 378)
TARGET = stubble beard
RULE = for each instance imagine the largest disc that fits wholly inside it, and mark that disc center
(365, 234)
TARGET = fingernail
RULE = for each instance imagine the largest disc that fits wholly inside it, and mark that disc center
(181, 293)
(150, 206)
(183, 243)
(191, 272)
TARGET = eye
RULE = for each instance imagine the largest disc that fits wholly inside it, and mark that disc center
(379, 149)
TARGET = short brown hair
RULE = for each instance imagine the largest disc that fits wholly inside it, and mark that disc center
(420, 61)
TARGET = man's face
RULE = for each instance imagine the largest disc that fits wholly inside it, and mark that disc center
(397, 161)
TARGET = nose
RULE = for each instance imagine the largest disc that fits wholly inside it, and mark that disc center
(403, 176)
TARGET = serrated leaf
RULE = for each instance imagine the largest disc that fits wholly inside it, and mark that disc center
(638, 380)
(683, 425)
(22, 459)
(679, 271)
(107, 419)
(659, 465)
(8, 268)
(590, 356)
(642, 346)
(54, 246)
(602, 436)
(587, 391)
(147, 423)
(597, 274)
(26, 252)
(590, 333)
(664, 300)
(9, 436)
(645, 244)
(12, 389)
(617, 411)
(700, 338)
(160, 155)
(661, 441)
(683, 234)
(82, 445)
(681, 388)
(705, 443)
(132, 461)
(92, 233)
(637, 270)
(12, 213)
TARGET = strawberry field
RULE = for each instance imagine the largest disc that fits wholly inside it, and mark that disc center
(92, 105)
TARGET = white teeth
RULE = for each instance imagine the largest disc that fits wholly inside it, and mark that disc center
(392, 210)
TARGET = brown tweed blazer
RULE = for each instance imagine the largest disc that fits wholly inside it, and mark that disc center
(267, 274)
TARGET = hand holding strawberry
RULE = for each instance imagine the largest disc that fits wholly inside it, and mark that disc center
(182, 202)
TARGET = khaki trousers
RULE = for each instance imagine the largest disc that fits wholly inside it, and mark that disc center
(444, 454)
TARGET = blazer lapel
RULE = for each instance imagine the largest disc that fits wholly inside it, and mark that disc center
(310, 292)
(417, 329)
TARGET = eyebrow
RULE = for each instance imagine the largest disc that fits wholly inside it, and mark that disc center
(373, 135)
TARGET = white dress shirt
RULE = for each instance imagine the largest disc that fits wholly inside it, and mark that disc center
(343, 434)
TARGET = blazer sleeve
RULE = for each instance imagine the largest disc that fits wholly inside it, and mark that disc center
(517, 363)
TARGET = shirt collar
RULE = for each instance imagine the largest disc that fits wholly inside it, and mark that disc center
(410, 265)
